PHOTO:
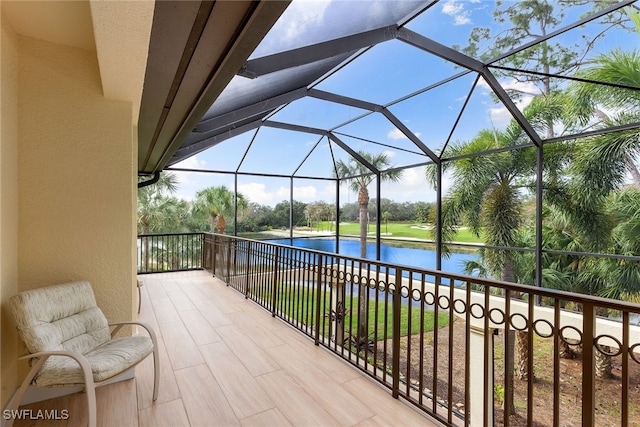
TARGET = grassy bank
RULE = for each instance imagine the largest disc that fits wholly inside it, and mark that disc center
(399, 230)
(298, 303)
(393, 230)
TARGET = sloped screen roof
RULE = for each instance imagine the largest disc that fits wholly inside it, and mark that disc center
(402, 75)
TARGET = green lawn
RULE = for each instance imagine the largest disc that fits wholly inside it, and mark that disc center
(298, 304)
(428, 321)
(400, 229)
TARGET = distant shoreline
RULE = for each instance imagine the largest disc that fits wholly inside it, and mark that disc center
(411, 242)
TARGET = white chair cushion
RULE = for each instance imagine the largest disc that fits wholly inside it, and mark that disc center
(60, 317)
(106, 361)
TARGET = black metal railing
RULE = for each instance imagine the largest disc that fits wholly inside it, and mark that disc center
(460, 348)
(159, 253)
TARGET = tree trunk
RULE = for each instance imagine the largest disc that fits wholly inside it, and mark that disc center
(633, 170)
(221, 224)
(565, 350)
(508, 275)
(522, 351)
(628, 159)
(521, 337)
(604, 367)
(363, 203)
(363, 292)
(147, 245)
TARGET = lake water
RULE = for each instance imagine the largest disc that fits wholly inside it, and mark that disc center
(413, 257)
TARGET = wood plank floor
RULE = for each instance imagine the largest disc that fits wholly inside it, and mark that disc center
(226, 362)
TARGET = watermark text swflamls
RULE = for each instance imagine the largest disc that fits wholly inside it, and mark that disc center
(39, 414)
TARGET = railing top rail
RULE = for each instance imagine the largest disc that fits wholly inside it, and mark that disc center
(172, 234)
(514, 287)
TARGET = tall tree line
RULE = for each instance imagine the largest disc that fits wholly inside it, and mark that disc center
(159, 211)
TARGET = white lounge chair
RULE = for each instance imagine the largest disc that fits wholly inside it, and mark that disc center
(71, 343)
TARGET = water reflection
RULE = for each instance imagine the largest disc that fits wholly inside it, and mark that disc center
(412, 257)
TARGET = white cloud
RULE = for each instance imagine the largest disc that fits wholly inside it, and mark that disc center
(282, 193)
(450, 7)
(328, 192)
(186, 178)
(257, 192)
(189, 182)
(413, 187)
(396, 134)
(308, 192)
(499, 115)
(413, 177)
(295, 22)
(191, 163)
(462, 19)
(456, 10)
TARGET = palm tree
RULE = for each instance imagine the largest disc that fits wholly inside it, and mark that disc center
(153, 208)
(610, 278)
(386, 216)
(156, 211)
(358, 178)
(618, 279)
(589, 204)
(623, 277)
(487, 194)
(607, 157)
(216, 203)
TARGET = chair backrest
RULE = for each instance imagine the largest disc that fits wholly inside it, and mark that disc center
(60, 317)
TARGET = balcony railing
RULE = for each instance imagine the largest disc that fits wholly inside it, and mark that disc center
(444, 342)
(460, 348)
(158, 253)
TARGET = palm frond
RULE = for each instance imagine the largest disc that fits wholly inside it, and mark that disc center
(358, 176)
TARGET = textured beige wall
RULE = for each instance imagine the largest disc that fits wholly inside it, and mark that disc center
(8, 204)
(76, 177)
(122, 27)
(68, 161)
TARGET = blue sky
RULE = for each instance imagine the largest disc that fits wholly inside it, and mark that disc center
(381, 75)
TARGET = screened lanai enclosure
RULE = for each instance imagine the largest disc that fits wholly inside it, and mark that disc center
(514, 107)
(517, 122)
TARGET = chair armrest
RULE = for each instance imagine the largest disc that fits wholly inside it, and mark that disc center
(78, 357)
(46, 354)
(119, 325)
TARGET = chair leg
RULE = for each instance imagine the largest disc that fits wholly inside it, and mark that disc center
(156, 371)
(17, 398)
(90, 390)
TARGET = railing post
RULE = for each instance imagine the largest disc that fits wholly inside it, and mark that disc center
(247, 272)
(274, 284)
(395, 346)
(144, 250)
(202, 250)
(337, 308)
(214, 253)
(588, 365)
(228, 272)
(318, 298)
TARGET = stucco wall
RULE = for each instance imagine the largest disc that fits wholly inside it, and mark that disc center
(76, 177)
(8, 203)
(68, 161)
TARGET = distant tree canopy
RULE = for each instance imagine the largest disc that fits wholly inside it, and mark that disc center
(400, 211)
(168, 214)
